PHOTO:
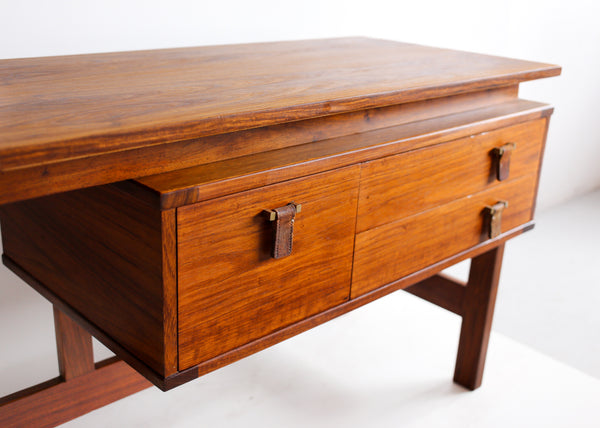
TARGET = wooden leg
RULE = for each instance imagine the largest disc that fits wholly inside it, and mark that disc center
(442, 291)
(73, 346)
(81, 387)
(477, 313)
(474, 302)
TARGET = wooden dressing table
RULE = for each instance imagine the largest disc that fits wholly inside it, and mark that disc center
(189, 207)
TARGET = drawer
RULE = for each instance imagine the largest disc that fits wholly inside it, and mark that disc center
(231, 291)
(394, 250)
(403, 185)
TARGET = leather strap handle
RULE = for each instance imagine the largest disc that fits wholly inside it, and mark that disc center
(283, 230)
(502, 160)
(494, 218)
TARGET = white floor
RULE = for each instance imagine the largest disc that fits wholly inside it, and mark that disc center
(550, 289)
(388, 364)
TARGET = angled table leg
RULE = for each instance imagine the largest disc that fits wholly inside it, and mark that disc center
(477, 313)
(474, 302)
(81, 387)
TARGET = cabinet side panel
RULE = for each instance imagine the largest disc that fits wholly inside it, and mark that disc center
(100, 251)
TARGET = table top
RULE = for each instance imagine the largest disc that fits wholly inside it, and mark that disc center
(54, 109)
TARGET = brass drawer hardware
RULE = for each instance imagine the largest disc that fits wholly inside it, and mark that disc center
(272, 214)
(494, 218)
(502, 160)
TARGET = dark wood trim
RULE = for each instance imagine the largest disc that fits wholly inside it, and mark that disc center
(56, 401)
(442, 291)
(73, 346)
(477, 313)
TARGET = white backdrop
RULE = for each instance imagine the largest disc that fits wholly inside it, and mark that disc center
(564, 33)
(560, 32)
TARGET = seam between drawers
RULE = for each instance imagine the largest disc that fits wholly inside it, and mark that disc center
(360, 165)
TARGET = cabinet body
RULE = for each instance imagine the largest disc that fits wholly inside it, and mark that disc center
(194, 286)
(148, 208)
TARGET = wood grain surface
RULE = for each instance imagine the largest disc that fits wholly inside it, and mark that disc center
(101, 251)
(58, 108)
(275, 137)
(320, 318)
(385, 145)
(38, 180)
(230, 289)
(400, 186)
(73, 346)
(195, 184)
(442, 291)
(55, 402)
(394, 250)
(162, 382)
(477, 313)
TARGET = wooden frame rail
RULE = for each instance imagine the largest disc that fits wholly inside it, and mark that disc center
(81, 387)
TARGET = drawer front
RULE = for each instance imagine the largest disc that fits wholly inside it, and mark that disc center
(392, 251)
(403, 185)
(231, 291)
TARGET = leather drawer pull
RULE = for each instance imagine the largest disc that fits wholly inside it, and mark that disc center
(494, 218)
(283, 231)
(502, 160)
